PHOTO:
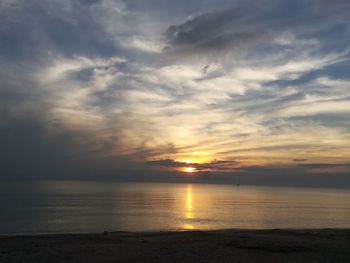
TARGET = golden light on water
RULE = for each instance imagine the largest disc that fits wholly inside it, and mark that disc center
(189, 203)
(195, 207)
(189, 208)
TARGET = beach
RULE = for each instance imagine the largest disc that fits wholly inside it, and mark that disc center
(326, 245)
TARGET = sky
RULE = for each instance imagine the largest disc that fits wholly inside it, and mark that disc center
(235, 91)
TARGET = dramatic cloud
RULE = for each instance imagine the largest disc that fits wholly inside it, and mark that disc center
(130, 90)
(213, 31)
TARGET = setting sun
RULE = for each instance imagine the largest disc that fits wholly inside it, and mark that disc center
(189, 169)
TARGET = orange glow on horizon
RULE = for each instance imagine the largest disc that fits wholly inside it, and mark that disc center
(189, 169)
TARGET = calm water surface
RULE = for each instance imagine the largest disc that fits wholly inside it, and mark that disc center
(66, 206)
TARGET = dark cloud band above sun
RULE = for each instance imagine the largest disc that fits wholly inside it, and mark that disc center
(216, 166)
(118, 89)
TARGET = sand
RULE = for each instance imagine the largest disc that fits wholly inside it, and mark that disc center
(193, 246)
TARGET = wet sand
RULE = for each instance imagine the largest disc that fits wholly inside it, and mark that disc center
(190, 246)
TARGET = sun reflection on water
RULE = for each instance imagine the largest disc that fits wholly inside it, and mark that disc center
(189, 208)
(189, 203)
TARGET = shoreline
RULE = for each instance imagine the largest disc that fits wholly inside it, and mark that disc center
(226, 245)
(169, 231)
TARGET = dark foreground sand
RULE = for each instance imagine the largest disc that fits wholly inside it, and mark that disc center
(196, 246)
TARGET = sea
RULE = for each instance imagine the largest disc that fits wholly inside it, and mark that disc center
(84, 207)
